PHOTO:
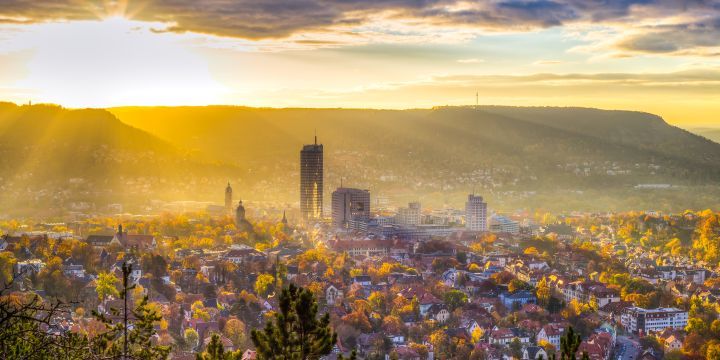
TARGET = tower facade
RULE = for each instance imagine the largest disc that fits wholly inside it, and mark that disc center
(475, 213)
(241, 222)
(228, 200)
(349, 206)
(311, 182)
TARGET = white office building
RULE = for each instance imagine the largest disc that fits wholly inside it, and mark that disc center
(502, 224)
(636, 319)
(409, 216)
(475, 213)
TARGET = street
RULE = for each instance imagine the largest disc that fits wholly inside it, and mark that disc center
(626, 348)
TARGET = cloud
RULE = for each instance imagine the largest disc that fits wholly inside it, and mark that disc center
(548, 62)
(675, 38)
(470, 61)
(335, 22)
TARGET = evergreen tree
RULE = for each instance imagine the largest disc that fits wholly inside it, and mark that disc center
(216, 351)
(296, 333)
(353, 356)
(124, 341)
(569, 345)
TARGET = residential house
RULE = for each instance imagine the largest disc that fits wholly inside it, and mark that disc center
(438, 312)
(551, 333)
(333, 295)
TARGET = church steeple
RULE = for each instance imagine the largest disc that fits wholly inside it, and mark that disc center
(228, 199)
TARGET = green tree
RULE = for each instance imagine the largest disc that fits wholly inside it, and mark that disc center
(216, 351)
(7, 263)
(455, 299)
(24, 320)
(569, 345)
(353, 356)
(134, 341)
(517, 285)
(295, 332)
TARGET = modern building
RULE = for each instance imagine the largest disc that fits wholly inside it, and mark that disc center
(517, 299)
(350, 208)
(228, 200)
(409, 216)
(502, 224)
(311, 182)
(636, 319)
(475, 213)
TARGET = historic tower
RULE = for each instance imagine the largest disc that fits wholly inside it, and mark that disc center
(228, 200)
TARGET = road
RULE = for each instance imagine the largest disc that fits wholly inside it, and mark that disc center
(626, 349)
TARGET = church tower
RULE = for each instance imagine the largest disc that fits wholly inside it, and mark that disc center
(240, 221)
(228, 200)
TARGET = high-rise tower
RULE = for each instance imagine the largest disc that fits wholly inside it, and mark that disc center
(311, 182)
(475, 213)
(350, 206)
(228, 200)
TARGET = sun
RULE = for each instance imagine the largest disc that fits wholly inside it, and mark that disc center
(116, 61)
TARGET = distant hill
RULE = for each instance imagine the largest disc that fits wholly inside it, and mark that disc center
(445, 152)
(63, 156)
(710, 133)
(558, 158)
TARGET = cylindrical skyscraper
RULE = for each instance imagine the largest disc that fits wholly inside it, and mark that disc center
(311, 182)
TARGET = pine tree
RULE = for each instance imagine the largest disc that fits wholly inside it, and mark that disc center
(569, 345)
(136, 343)
(353, 356)
(216, 351)
(296, 333)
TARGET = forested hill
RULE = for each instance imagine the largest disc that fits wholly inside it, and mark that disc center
(454, 140)
(708, 132)
(560, 158)
(576, 157)
(53, 158)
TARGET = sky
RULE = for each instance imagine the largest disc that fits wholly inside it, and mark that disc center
(658, 56)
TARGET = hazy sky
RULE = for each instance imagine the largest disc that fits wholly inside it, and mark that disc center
(660, 56)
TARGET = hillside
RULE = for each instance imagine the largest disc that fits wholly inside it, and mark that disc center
(443, 153)
(53, 159)
(709, 133)
(560, 158)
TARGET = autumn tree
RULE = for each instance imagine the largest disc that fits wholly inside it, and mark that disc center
(191, 337)
(263, 284)
(105, 285)
(543, 292)
(295, 332)
(235, 331)
(516, 348)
